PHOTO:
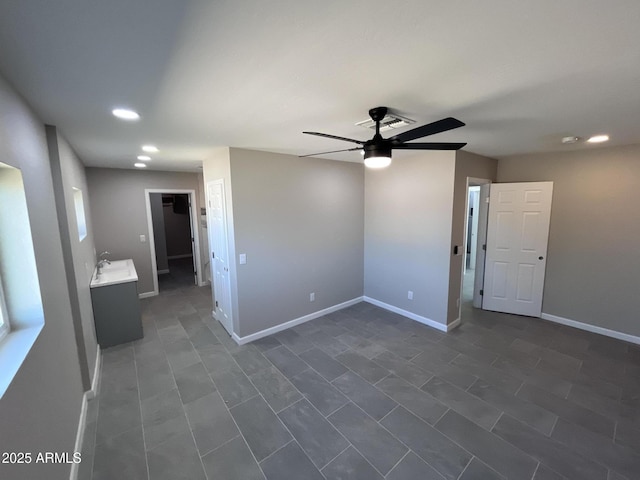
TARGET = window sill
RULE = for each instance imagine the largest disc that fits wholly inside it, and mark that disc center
(14, 348)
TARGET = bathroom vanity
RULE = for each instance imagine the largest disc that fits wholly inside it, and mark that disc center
(116, 307)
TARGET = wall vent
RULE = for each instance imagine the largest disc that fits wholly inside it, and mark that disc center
(391, 121)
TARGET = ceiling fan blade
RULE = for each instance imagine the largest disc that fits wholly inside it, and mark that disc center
(335, 137)
(429, 129)
(332, 151)
(428, 146)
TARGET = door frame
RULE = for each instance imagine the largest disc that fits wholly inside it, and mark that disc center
(481, 238)
(471, 256)
(151, 237)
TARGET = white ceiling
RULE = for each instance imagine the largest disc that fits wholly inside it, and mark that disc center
(254, 73)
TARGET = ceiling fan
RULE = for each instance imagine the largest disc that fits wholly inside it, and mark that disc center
(377, 151)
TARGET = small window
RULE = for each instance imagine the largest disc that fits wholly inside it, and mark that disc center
(78, 203)
(21, 313)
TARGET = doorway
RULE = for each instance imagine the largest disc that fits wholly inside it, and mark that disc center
(173, 239)
(471, 242)
(476, 208)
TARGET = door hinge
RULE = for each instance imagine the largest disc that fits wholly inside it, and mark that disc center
(481, 292)
(484, 246)
(216, 303)
(213, 255)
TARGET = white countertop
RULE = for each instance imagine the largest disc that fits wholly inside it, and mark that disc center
(119, 271)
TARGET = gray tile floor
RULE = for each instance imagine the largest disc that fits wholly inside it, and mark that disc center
(363, 394)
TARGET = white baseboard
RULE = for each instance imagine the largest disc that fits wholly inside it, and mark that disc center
(454, 324)
(418, 318)
(96, 375)
(73, 475)
(147, 294)
(82, 422)
(175, 257)
(591, 328)
(292, 323)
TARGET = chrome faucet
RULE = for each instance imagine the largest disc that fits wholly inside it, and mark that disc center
(102, 262)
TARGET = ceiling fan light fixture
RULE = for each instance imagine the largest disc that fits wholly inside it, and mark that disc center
(377, 162)
(377, 156)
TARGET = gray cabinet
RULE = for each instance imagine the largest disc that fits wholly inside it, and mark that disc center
(116, 312)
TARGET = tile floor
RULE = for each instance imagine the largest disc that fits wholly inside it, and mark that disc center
(363, 394)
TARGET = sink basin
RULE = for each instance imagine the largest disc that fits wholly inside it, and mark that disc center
(119, 271)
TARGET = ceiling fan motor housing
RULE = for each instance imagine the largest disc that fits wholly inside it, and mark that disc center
(378, 113)
(377, 149)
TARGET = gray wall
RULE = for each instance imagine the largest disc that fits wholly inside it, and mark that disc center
(467, 165)
(118, 209)
(408, 233)
(40, 410)
(592, 260)
(300, 222)
(82, 257)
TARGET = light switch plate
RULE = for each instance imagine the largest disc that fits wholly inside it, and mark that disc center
(243, 258)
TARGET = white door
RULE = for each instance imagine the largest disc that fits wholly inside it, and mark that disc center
(517, 235)
(221, 284)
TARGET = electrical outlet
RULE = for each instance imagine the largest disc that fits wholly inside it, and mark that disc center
(312, 297)
(143, 239)
(243, 259)
(410, 295)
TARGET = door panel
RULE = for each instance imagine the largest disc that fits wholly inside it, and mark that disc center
(221, 283)
(500, 279)
(517, 235)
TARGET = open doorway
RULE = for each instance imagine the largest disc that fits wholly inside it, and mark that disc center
(471, 242)
(173, 239)
(475, 236)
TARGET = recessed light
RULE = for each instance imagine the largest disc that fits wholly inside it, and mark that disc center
(125, 114)
(598, 139)
(140, 165)
(570, 139)
(150, 148)
(144, 158)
